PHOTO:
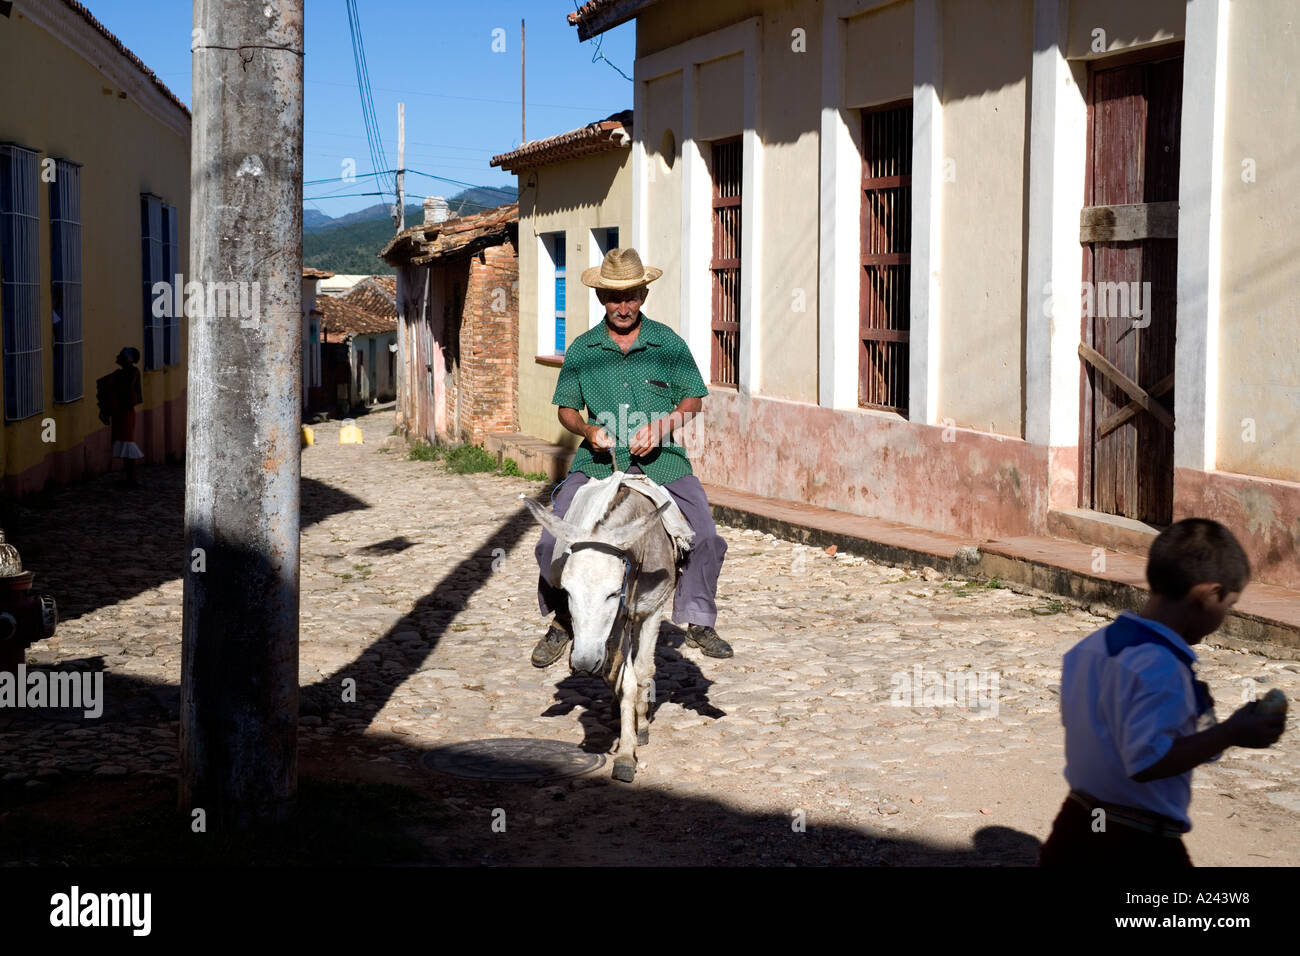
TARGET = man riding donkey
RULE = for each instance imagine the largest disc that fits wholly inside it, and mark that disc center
(627, 370)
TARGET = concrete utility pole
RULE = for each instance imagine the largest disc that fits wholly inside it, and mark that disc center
(239, 662)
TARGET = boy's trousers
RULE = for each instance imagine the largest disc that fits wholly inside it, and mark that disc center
(1086, 835)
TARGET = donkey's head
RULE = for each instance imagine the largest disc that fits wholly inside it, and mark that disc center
(593, 577)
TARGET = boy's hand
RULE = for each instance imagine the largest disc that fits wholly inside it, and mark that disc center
(1251, 729)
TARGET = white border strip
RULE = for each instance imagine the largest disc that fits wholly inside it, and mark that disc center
(1058, 133)
(1200, 192)
(927, 210)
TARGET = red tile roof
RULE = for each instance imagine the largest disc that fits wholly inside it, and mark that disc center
(309, 273)
(461, 235)
(612, 133)
(80, 10)
(376, 295)
(340, 318)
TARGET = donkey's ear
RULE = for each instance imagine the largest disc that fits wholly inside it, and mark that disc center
(629, 534)
(557, 526)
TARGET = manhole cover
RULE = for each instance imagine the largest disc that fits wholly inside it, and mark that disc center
(512, 760)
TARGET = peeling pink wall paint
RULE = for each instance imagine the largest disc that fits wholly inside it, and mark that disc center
(876, 465)
(976, 484)
(1263, 513)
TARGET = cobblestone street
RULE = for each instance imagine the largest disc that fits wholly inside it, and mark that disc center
(419, 585)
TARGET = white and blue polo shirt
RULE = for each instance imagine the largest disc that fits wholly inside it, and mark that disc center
(1127, 691)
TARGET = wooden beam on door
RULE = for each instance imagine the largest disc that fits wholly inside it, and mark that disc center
(1128, 222)
(1113, 421)
(1131, 388)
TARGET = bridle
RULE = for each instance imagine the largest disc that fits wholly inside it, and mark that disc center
(627, 593)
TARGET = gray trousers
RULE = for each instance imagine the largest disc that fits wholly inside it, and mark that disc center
(697, 587)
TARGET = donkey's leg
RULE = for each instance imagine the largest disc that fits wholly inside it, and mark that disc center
(644, 663)
(625, 693)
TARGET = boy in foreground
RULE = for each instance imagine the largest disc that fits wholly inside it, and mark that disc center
(1137, 721)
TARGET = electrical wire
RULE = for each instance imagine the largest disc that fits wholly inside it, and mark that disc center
(374, 138)
(599, 55)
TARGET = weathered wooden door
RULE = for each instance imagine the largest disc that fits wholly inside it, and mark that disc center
(1129, 231)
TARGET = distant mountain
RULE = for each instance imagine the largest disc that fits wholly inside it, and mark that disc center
(313, 219)
(350, 244)
(481, 197)
(383, 211)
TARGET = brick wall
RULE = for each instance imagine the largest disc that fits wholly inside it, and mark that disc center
(489, 351)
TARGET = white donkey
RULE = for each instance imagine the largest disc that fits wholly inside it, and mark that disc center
(619, 568)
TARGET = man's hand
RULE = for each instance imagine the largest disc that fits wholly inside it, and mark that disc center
(599, 438)
(573, 421)
(1248, 728)
(646, 438)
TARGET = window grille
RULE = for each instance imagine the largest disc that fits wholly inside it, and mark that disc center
(171, 269)
(724, 361)
(65, 276)
(152, 257)
(20, 282)
(885, 299)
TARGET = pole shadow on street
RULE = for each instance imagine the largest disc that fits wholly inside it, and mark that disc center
(92, 802)
(95, 546)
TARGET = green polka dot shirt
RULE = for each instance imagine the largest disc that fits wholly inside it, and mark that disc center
(624, 391)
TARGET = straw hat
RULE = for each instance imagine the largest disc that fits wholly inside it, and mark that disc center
(620, 269)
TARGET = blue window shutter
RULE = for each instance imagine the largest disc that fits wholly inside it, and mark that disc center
(151, 255)
(171, 268)
(65, 280)
(20, 276)
(560, 275)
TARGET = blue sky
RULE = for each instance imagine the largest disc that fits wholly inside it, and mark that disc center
(436, 56)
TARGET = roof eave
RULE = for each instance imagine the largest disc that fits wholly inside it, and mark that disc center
(522, 160)
(607, 18)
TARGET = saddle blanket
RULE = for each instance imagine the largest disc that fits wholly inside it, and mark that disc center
(592, 501)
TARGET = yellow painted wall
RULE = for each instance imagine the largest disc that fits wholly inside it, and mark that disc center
(59, 105)
(720, 98)
(984, 212)
(1259, 337)
(1123, 24)
(789, 111)
(575, 197)
(663, 214)
(878, 56)
(668, 24)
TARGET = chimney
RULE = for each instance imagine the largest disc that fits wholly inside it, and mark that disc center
(435, 210)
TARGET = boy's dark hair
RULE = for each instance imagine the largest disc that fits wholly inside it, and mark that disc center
(1193, 551)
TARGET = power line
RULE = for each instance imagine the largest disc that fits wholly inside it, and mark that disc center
(374, 138)
(599, 54)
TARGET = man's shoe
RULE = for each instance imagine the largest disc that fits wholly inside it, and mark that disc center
(707, 640)
(551, 647)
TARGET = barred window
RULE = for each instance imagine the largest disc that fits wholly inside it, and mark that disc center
(152, 258)
(20, 277)
(65, 279)
(885, 300)
(724, 360)
(171, 269)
